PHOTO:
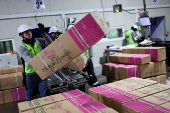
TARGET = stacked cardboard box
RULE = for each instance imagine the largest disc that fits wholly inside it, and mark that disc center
(132, 95)
(73, 101)
(11, 85)
(70, 45)
(140, 64)
(13, 69)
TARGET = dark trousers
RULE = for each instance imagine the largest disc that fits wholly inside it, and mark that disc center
(33, 81)
(90, 70)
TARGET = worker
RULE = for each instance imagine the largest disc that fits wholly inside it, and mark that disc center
(54, 33)
(29, 48)
(131, 36)
(89, 68)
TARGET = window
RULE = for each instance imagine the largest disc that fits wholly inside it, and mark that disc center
(116, 32)
(6, 46)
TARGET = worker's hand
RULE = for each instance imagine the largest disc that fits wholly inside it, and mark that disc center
(40, 28)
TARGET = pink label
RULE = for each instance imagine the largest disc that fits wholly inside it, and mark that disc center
(18, 94)
(140, 106)
(93, 105)
(89, 30)
(76, 39)
(153, 53)
(134, 59)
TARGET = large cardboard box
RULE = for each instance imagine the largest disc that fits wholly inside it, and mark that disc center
(12, 80)
(13, 69)
(157, 53)
(27, 105)
(71, 44)
(78, 63)
(130, 58)
(11, 95)
(164, 108)
(161, 79)
(141, 105)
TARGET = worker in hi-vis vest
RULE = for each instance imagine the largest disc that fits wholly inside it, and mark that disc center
(131, 36)
(54, 33)
(89, 68)
(29, 48)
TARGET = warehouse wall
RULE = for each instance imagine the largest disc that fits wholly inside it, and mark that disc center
(9, 27)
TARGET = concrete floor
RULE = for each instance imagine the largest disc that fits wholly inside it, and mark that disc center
(13, 107)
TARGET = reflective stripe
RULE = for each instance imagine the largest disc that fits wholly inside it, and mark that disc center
(29, 66)
(38, 43)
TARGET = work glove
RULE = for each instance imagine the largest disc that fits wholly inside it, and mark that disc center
(40, 28)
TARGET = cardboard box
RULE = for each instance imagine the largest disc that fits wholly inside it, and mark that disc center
(13, 69)
(161, 79)
(12, 80)
(27, 105)
(164, 95)
(141, 105)
(71, 44)
(164, 108)
(107, 69)
(78, 63)
(157, 53)
(106, 110)
(12, 95)
(130, 58)
(0, 71)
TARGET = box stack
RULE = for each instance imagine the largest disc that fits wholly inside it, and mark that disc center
(132, 95)
(11, 84)
(73, 101)
(142, 62)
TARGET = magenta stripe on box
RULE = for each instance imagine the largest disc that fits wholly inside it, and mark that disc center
(76, 40)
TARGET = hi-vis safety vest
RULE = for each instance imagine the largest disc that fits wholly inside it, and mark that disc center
(87, 54)
(129, 38)
(32, 51)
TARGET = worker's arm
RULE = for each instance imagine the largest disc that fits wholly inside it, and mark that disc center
(24, 53)
(41, 30)
(135, 36)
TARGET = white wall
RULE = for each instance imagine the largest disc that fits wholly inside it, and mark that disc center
(16, 8)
